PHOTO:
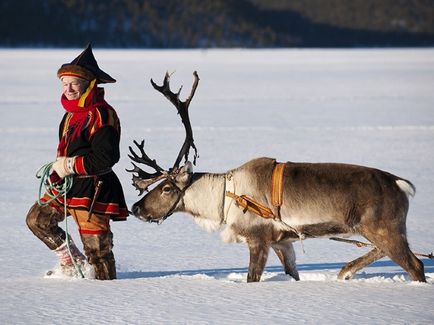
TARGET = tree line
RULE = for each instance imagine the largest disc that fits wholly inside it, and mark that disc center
(216, 23)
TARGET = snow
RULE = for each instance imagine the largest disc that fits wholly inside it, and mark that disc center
(368, 107)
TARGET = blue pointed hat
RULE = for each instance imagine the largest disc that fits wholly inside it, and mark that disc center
(86, 67)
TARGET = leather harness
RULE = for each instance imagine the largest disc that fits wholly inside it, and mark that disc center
(249, 204)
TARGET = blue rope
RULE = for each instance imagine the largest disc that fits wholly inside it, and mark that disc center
(45, 188)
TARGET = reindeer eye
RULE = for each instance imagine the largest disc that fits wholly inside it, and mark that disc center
(167, 189)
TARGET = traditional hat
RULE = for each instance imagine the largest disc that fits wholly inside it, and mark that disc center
(86, 67)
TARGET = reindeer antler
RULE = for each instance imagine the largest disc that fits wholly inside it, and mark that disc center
(182, 108)
(144, 159)
(144, 179)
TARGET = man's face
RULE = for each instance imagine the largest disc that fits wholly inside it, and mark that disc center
(73, 87)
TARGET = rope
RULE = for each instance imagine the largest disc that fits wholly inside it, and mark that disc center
(46, 187)
(362, 244)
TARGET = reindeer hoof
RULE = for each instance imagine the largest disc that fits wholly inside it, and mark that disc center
(345, 275)
(294, 275)
(251, 278)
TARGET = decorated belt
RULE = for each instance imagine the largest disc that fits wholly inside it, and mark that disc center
(103, 172)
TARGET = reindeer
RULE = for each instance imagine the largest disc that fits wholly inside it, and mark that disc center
(269, 204)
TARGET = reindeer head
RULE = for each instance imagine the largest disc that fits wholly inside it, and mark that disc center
(164, 199)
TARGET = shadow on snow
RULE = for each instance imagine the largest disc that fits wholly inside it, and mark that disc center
(224, 272)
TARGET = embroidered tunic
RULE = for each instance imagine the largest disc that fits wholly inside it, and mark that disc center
(90, 131)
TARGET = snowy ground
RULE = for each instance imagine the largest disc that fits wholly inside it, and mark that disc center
(369, 107)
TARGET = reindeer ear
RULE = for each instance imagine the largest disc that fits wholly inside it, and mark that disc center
(185, 173)
(187, 168)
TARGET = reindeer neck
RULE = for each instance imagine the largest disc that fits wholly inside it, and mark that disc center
(204, 197)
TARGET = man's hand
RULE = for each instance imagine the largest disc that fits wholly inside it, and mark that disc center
(64, 166)
(55, 179)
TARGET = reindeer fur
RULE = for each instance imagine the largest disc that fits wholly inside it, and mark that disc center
(319, 199)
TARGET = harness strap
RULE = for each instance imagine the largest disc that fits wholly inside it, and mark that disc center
(229, 186)
(277, 185)
(249, 204)
(180, 198)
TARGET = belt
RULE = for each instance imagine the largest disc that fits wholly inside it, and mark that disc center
(103, 172)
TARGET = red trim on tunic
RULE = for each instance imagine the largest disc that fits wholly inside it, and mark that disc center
(98, 123)
(79, 165)
(92, 232)
(106, 208)
(54, 204)
(99, 207)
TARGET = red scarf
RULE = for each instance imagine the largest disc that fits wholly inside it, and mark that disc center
(81, 115)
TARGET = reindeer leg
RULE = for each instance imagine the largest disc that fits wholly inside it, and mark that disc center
(352, 267)
(409, 262)
(258, 258)
(392, 240)
(397, 249)
(285, 252)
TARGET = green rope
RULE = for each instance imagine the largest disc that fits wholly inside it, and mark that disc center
(46, 188)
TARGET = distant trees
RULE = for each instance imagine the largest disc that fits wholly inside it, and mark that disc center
(216, 23)
(415, 16)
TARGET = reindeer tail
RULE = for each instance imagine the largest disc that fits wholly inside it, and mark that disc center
(406, 186)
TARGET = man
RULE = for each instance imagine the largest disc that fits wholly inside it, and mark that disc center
(89, 136)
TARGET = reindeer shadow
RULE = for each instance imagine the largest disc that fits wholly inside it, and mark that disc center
(239, 273)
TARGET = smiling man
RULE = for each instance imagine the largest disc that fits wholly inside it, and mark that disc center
(89, 136)
(73, 87)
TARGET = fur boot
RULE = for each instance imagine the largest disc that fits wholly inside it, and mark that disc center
(67, 266)
(98, 249)
(64, 256)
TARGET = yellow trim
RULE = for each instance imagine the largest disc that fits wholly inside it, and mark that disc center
(66, 124)
(97, 123)
(83, 97)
